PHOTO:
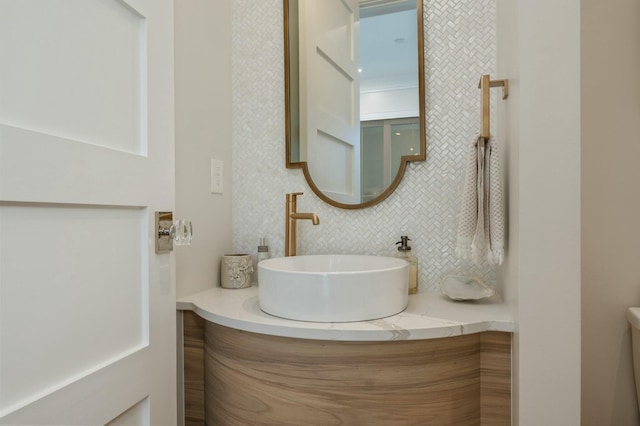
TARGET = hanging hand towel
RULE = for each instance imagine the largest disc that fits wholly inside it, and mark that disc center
(481, 219)
(468, 217)
(496, 207)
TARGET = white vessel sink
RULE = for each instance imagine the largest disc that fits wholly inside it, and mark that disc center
(333, 288)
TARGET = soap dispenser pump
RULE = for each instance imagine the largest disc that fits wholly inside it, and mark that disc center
(404, 252)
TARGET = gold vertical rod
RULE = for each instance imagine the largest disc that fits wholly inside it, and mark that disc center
(485, 99)
(290, 225)
(485, 85)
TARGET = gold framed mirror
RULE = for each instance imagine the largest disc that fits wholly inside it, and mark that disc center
(354, 95)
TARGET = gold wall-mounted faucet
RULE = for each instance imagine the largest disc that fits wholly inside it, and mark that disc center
(291, 217)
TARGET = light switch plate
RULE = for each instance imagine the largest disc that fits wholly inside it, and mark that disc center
(216, 176)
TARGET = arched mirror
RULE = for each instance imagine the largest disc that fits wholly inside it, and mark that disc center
(354, 76)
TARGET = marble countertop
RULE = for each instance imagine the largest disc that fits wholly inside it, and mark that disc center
(429, 315)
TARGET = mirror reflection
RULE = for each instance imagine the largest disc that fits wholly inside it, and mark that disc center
(355, 103)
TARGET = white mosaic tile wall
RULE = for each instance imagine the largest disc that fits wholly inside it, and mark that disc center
(460, 46)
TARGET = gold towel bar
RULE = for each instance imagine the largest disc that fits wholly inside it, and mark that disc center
(485, 84)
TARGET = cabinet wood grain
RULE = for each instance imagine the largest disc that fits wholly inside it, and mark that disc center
(495, 378)
(194, 399)
(255, 379)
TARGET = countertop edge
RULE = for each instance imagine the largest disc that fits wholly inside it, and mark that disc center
(428, 316)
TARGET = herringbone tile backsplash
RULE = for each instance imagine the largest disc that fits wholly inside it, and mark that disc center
(460, 46)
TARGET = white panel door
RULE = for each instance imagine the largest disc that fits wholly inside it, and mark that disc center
(330, 96)
(87, 309)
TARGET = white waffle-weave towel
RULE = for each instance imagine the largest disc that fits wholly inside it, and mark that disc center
(481, 219)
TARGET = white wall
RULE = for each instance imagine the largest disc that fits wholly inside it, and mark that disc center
(389, 103)
(610, 208)
(542, 278)
(203, 131)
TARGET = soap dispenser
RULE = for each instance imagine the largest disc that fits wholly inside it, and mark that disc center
(263, 250)
(263, 254)
(404, 252)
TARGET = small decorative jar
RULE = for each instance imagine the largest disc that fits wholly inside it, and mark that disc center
(236, 271)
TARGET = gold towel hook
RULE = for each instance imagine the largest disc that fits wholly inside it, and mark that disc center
(485, 84)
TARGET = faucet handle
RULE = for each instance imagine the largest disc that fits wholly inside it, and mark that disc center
(291, 197)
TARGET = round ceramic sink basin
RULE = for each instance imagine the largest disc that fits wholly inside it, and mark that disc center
(333, 288)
